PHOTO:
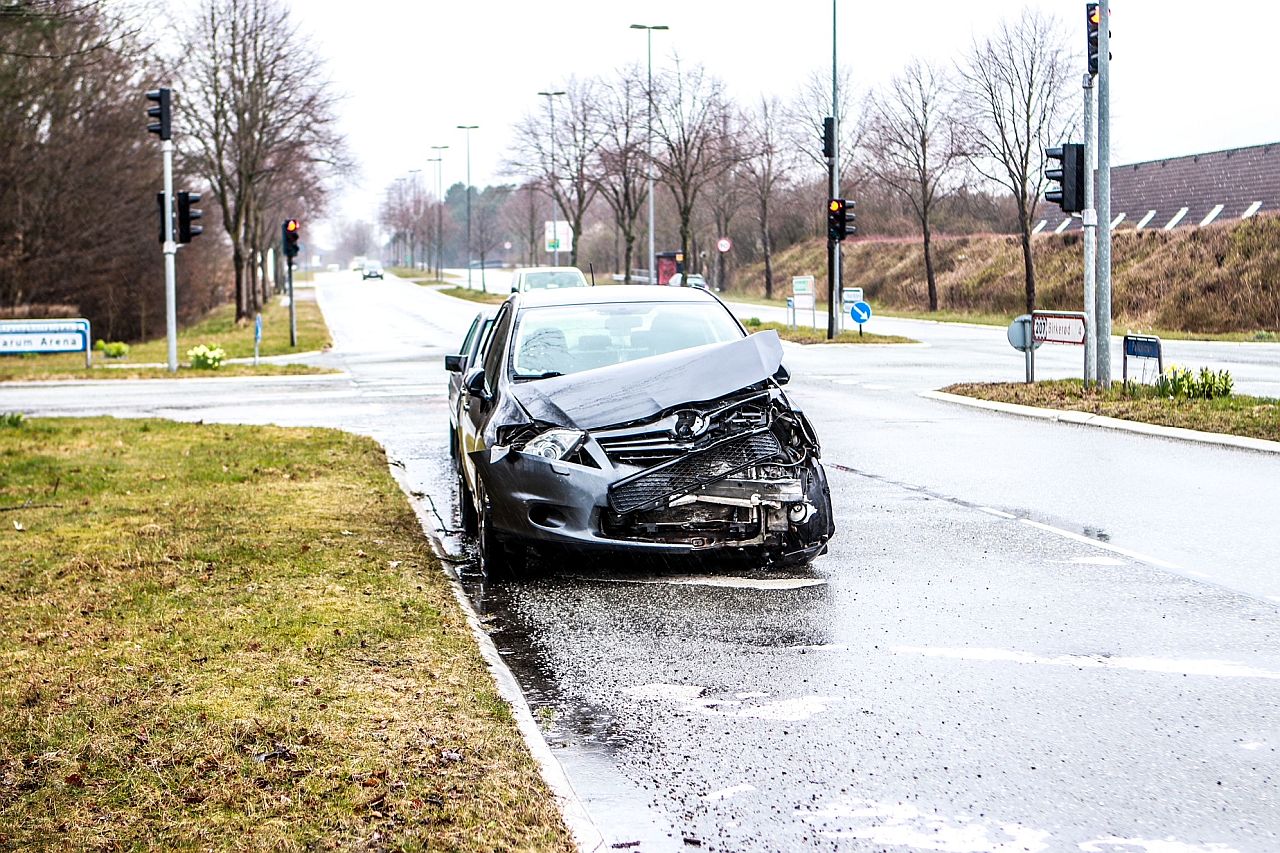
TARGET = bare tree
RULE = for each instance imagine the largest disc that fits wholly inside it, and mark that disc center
(912, 146)
(806, 112)
(766, 167)
(560, 154)
(488, 232)
(524, 219)
(256, 106)
(621, 165)
(1014, 102)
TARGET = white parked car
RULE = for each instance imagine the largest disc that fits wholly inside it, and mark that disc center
(524, 279)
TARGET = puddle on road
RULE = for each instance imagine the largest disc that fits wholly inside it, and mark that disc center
(1172, 666)
(902, 825)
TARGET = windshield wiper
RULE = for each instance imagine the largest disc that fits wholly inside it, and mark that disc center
(550, 374)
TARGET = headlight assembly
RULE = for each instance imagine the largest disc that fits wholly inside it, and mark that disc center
(555, 443)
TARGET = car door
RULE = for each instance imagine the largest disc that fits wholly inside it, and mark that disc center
(476, 410)
(455, 379)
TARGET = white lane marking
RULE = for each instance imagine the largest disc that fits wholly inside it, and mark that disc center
(1174, 666)
(902, 825)
(1253, 746)
(733, 791)
(1092, 561)
(724, 582)
(1145, 845)
(1106, 546)
(677, 692)
(989, 511)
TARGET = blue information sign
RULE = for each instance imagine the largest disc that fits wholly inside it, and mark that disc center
(860, 312)
(1135, 347)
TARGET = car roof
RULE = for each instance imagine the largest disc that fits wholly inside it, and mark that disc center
(610, 293)
(545, 269)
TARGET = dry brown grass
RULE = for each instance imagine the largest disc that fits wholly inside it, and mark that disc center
(1219, 279)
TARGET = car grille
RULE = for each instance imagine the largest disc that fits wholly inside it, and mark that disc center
(646, 489)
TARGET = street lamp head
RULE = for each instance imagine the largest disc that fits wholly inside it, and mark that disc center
(650, 27)
(468, 126)
(438, 147)
(550, 94)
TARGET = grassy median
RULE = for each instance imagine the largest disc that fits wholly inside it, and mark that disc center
(806, 335)
(237, 637)
(218, 327)
(474, 295)
(1255, 417)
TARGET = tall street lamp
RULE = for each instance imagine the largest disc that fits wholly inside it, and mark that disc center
(413, 211)
(440, 209)
(653, 258)
(468, 128)
(555, 217)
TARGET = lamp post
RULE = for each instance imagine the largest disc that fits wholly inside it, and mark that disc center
(653, 258)
(414, 198)
(440, 209)
(468, 128)
(555, 217)
(397, 237)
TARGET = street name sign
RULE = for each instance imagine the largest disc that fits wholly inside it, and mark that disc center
(34, 336)
(1142, 346)
(850, 295)
(802, 284)
(1058, 327)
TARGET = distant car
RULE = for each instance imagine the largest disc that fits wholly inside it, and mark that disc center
(524, 279)
(696, 280)
(372, 269)
(468, 354)
(637, 420)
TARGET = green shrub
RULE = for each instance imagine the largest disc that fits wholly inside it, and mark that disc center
(753, 322)
(10, 420)
(115, 349)
(205, 357)
(1180, 383)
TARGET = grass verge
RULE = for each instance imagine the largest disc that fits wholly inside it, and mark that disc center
(1255, 417)
(218, 327)
(184, 372)
(803, 335)
(474, 295)
(237, 637)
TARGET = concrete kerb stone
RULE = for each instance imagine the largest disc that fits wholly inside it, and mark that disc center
(1260, 445)
(588, 838)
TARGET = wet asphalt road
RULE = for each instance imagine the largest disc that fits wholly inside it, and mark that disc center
(1027, 636)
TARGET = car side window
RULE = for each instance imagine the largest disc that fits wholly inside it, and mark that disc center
(470, 338)
(495, 347)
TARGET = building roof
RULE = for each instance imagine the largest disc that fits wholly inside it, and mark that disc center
(1185, 191)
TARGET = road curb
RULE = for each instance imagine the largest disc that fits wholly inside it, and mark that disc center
(588, 838)
(1260, 445)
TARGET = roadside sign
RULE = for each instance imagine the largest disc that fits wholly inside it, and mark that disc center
(860, 312)
(557, 236)
(802, 284)
(34, 336)
(1019, 334)
(802, 302)
(1058, 327)
(257, 337)
(724, 244)
(850, 295)
(1142, 346)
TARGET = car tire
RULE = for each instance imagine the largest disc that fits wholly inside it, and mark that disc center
(466, 507)
(499, 558)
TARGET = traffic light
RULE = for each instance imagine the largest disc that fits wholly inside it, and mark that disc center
(160, 210)
(160, 114)
(840, 219)
(186, 214)
(290, 231)
(1069, 176)
(1093, 23)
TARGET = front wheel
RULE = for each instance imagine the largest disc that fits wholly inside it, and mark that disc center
(498, 557)
(466, 506)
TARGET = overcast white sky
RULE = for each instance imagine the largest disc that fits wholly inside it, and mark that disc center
(412, 71)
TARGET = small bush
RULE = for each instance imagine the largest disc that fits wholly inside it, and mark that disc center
(115, 349)
(10, 420)
(205, 357)
(99, 344)
(753, 322)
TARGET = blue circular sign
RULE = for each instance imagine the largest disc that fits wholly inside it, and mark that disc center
(860, 312)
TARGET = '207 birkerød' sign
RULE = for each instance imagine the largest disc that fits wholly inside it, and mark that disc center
(1053, 328)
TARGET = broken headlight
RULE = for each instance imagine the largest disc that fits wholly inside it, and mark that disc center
(555, 443)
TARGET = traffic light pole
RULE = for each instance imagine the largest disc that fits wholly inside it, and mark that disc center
(1089, 216)
(1104, 195)
(170, 253)
(293, 308)
(833, 246)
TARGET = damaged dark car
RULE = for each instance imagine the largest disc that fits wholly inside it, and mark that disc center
(637, 420)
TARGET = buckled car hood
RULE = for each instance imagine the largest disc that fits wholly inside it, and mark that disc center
(634, 390)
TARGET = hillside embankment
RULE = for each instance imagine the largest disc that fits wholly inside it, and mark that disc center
(1218, 279)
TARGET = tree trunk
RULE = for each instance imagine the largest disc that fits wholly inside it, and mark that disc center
(1029, 265)
(628, 243)
(928, 263)
(767, 245)
(237, 254)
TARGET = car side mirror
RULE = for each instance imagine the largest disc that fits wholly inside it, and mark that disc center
(453, 363)
(782, 376)
(474, 383)
(515, 288)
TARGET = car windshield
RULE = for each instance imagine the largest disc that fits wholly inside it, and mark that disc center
(563, 339)
(553, 279)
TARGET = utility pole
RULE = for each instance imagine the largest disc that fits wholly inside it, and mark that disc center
(653, 257)
(833, 246)
(1089, 217)
(1104, 194)
(555, 215)
(468, 128)
(439, 161)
